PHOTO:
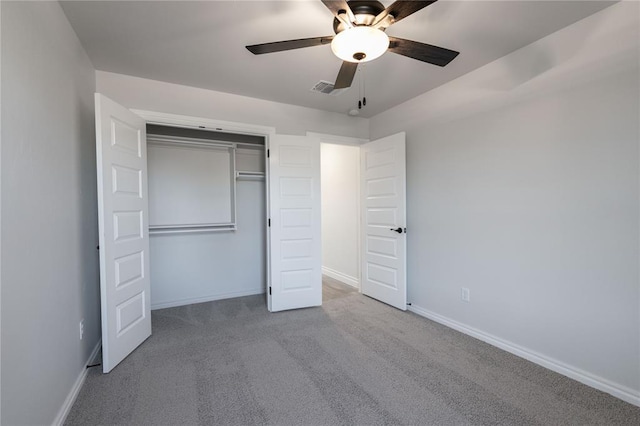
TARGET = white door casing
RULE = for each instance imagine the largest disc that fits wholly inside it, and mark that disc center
(123, 230)
(294, 211)
(383, 205)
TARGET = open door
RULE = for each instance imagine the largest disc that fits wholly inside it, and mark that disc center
(294, 210)
(121, 153)
(383, 204)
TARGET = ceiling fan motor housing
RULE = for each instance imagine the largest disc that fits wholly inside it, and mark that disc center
(364, 11)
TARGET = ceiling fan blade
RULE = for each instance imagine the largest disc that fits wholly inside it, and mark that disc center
(346, 74)
(402, 8)
(279, 46)
(421, 51)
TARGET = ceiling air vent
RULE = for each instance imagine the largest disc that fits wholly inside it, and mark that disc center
(327, 88)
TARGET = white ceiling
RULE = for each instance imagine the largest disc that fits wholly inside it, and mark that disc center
(201, 44)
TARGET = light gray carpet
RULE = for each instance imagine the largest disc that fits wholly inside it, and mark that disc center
(352, 361)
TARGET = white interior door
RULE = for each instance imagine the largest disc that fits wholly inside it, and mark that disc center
(123, 230)
(383, 204)
(294, 210)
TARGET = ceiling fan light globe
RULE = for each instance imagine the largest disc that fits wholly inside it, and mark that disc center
(360, 44)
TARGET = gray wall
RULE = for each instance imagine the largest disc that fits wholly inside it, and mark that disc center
(157, 96)
(523, 187)
(49, 225)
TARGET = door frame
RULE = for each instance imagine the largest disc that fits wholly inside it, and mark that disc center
(178, 120)
(356, 142)
(185, 121)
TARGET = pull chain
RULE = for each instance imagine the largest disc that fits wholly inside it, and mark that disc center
(360, 88)
(364, 90)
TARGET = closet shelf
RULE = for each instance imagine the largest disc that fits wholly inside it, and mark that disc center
(243, 175)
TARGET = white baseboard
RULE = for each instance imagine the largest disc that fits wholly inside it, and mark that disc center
(624, 393)
(343, 278)
(209, 298)
(73, 394)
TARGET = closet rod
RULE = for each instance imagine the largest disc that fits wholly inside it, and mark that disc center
(189, 230)
(177, 140)
(193, 225)
(251, 145)
(243, 175)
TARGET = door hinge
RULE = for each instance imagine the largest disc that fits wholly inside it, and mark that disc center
(269, 223)
(268, 154)
(269, 291)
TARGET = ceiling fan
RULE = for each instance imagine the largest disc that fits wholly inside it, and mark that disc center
(360, 36)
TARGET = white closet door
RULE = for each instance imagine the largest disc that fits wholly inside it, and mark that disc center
(294, 208)
(383, 204)
(123, 230)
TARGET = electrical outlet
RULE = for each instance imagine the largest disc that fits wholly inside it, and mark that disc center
(81, 329)
(465, 294)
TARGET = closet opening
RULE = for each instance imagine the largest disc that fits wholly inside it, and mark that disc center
(207, 215)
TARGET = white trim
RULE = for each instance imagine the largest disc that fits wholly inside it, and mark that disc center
(619, 391)
(207, 123)
(343, 278)
(176, 120)
(210, 298)
(75, 390)
(338, 140)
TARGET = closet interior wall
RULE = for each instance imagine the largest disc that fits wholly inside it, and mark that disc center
(217, 180)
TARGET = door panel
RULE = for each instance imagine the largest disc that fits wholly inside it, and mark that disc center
(383, 202)
(123, 230)
(295, 245)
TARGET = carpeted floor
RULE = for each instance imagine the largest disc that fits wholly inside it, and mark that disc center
(352, 361)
